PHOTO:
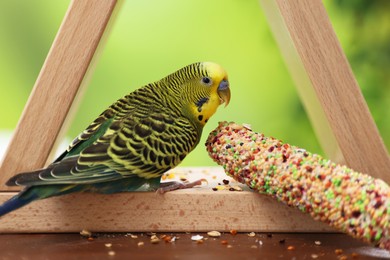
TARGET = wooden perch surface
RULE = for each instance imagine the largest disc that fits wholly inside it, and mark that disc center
(197, 209)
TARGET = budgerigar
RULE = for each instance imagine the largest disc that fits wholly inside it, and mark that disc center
(134, 141)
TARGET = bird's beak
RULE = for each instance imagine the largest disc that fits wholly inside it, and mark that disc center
(224, 92)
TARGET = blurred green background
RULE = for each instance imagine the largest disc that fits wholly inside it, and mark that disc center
(151, 39)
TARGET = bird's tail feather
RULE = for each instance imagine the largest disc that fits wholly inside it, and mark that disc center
(32, 193)
(15, 202)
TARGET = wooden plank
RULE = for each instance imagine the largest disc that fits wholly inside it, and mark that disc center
(56, 86)
(197, 209)
(240, 246)
(326, 84)
(301, 78)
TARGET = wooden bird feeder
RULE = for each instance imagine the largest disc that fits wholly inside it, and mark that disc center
(324, 80)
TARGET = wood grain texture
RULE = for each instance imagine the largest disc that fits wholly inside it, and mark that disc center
(197, 209)
(240, 246)
(327, 86)
(183, 210)
(56, 87)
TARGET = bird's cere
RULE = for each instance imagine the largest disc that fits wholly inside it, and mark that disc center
(352, 202)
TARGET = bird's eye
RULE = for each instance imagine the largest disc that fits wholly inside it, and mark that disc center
(206, 80)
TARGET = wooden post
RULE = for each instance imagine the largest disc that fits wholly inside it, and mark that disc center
(56, 87)
(327, 86)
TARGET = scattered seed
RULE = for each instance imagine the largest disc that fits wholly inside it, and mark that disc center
(237, 188)
(224, 242)
(90, 239)
(108, 245)
(314, 256)
(338, 251)
(226, 182)
(343, 257)
(220, 187)
(140, 243)
(154, 239)
(253, 246)
(317, 243)
(133, 236)
(229, 246)
(247, 126)
(282, 241)
(214, 233)
(111, 253)
(200, 241)
(260, 242)
(85, 233)
(233, 232)
(251, 234)
(354, 255)
(196, 237)
(291, 248)
(166, 238)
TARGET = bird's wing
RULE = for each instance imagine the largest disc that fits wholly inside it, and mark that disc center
(149, 146)
(62, 173)
(131, 146)
(66, 169)
(97, 128)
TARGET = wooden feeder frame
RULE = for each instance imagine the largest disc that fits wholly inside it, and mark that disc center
(326, 85)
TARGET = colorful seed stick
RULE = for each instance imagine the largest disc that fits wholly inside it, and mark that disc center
(354, 203)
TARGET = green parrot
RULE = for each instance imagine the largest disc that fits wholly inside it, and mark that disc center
(134, 141)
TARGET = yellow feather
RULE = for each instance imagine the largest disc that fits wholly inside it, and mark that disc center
(217, 74)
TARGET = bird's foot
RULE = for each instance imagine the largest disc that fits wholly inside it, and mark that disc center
(176, 185)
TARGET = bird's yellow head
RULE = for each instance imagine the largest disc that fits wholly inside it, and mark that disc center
(200, 87)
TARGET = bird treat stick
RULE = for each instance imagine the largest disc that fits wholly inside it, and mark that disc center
(352, 202)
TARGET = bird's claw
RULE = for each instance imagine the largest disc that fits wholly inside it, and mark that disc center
(176, 185)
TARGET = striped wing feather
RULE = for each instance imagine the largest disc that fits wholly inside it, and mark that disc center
(136, 137)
